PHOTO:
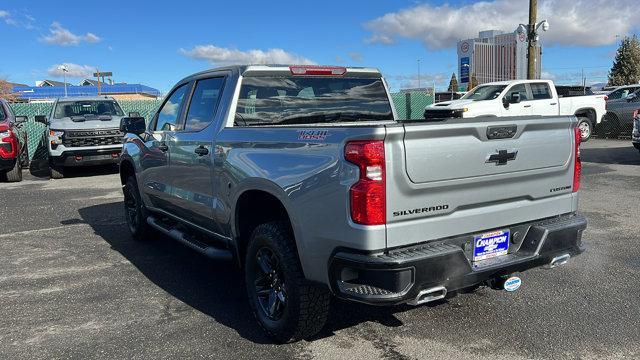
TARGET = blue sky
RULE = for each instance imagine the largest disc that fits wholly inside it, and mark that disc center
(157, 43)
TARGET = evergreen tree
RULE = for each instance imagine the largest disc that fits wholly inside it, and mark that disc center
(453, 84)
(473, 82)
(626, 66)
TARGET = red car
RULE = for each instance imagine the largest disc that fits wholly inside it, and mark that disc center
(13, 144)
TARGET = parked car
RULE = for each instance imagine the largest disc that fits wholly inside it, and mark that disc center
(619, 116)
(523, 98)
(304, 175)
(635, 134)
(622, 92)
(82, 131)
(14, 153)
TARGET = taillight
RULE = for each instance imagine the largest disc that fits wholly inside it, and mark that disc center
(317, 70)
(606, 98)
(368, 196)
(577, 168)
(8, 143)
(635, 113)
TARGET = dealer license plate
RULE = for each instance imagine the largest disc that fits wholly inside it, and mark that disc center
(490, 245)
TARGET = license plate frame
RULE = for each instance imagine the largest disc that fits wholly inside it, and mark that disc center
(491, 244)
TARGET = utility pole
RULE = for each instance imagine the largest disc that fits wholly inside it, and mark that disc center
(533, 41)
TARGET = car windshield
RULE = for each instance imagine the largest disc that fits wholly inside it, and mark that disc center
(87, 109)
(303, 100)
(486, 92)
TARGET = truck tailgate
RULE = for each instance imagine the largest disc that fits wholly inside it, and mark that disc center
(464, 175)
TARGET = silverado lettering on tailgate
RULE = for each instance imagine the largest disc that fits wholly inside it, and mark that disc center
(420, 211)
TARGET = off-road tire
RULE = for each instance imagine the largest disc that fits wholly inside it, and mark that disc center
(135, 212)
(586, 129)
(307, 305)
(56, 172)
(15, 174)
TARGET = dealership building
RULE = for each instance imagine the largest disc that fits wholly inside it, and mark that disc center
(494, 56)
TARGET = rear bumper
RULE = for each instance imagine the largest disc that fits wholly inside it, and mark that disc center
(399, 275)
(86, 157)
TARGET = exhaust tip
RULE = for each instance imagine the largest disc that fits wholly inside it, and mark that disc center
(429, 295)
(558, 261)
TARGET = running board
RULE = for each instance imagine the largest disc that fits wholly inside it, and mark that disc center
(205, 249)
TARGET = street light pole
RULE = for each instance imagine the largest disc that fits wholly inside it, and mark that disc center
(64, 76)
(418, 73)
(531, 34)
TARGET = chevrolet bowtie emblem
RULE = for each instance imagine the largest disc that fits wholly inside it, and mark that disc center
(502, 157)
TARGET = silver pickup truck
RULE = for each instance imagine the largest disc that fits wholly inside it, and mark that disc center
(82, 131)
(304, 176)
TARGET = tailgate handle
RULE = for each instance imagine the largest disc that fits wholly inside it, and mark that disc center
(501, 132)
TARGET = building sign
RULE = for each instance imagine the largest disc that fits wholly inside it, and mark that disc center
(464, 47)
(522, 37)
(464, 70)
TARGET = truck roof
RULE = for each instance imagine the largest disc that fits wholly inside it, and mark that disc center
(509, 82)
(279, 68)
(85, 98)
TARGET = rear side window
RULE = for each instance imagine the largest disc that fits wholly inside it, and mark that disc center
(540, 91)
(518, 89)
(168, 114)
(305, 100)
(204, 103)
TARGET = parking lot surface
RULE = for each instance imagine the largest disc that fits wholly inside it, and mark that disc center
(74, 285)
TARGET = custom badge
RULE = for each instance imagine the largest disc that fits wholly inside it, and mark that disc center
(312, 134)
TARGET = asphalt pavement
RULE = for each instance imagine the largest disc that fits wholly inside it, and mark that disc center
(74, 285)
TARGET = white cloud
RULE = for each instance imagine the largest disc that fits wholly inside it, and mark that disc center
(91, 37)
(225, 56)
(18, 19)
(579, 22)
(74, 70)
(59, 35)
(355, 56)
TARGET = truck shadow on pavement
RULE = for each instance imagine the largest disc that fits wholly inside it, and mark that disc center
(213, 288)
(622, 154)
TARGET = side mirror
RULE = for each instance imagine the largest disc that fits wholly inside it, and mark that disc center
(41, 119)
(632, 97)
(515, 98)
(505, 102)
(21, 119)
(133, 125)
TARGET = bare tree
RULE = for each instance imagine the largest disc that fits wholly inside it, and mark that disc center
(6, 91)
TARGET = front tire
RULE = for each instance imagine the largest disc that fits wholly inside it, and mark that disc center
(134, 211)
(15, 174)
(586, 129)
(56, 172)
(286, 305)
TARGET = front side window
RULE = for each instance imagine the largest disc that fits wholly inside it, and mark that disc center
(485, 92)
(87, 109)
(204, 102)
(540, 91)
(2, 113)
(518, 89)
(171, 109)
(305, 100)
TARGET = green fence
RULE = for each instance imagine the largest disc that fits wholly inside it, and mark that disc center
(409, 105)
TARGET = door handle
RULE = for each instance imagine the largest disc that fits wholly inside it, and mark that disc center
(554, 104)
(527, 106)
(163, 147)
(201, 151)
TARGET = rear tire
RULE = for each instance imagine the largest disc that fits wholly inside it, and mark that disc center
(15, 174)
(286, 305)
(135, 212)
(56, 172)
(586, 129)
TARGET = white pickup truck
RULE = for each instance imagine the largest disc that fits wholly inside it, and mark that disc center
(522, 98)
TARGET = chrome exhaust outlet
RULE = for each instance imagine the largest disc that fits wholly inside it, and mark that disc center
(558, 260)
(429, 295)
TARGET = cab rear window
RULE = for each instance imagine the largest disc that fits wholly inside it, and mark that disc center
(307, 100)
